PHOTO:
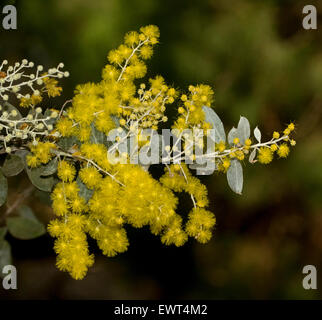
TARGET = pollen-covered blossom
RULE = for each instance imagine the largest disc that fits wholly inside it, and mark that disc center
(265, 155)
(99, 196)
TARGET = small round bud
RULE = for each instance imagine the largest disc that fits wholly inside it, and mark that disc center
(54, 114)
(122, 122)
(13, 113)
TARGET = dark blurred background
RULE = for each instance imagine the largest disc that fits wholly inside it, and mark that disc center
(263, 65)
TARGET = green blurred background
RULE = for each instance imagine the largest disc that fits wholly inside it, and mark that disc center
(263, 65)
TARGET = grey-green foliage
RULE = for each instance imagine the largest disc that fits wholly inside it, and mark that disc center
(9, 108)
(219, 130)
(41, 177)
(235, 176)
(66, 143)
(257, 134)
(25, 226)
(242, 132)
(12, 166)
(84, 192)
(36, 178)
(243, 129)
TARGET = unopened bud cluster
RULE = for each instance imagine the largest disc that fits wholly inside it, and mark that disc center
(27, 81)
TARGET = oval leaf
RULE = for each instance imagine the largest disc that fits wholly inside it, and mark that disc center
(233, 133)
(252, 156)
(49, 168)
(257, 134)
(44, 184)
(3, 188)
(12, 166)
(243, 129)
(25, 227)
(218, 133)
(9, 108)
(65, 143)
(235, 176)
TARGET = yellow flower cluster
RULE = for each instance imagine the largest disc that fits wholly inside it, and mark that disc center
(200, 221)
(41, 153)
(191, 112)
(117, 95)
(49, 85)
(99, 197)
(266, 153)
(71, 245)
(31, 101)
(107, 212)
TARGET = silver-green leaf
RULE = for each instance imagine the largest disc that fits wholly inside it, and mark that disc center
(218, 133)
(49, 168)
(243, 129)
(235, 176)
(12, 166)
(26, 226)
(257, 134)
(233, 133)
(42, 183)
(252, 156)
